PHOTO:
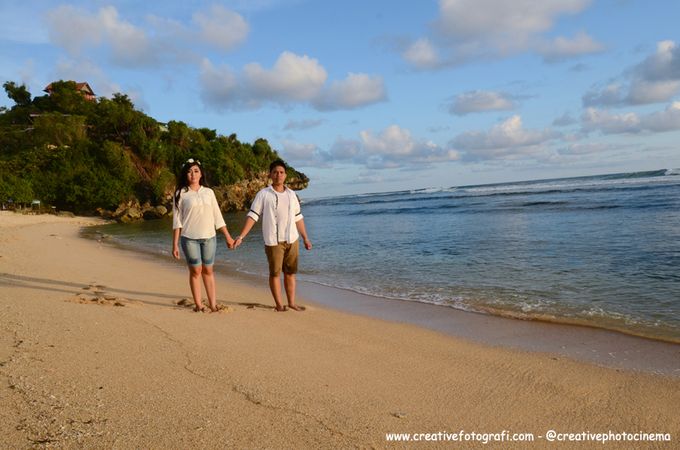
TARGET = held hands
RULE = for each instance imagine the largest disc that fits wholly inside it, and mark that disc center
(230, 242)
(237, 242)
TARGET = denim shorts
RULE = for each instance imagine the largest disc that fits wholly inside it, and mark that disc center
(199, 251)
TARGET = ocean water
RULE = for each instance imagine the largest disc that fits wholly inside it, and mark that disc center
(601, 251)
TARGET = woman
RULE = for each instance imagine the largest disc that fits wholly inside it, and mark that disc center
(196, 216)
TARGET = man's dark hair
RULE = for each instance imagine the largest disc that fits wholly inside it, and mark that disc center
(278, 162)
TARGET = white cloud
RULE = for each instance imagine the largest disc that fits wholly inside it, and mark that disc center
(293, 77)
(587, 148)
(99, 81)
(392, 141)
(422, 54)
(86, 70)
(393, 147)
(564, 120)
(357, 90)
(345, 149)
(130, 45)
(610, 95)
(643, 92)
(598, 120)
(477, 29)
(656, 122)
(508, 133)
(304, 155)
(76, 29)
(369, 177)
(656, 79)
(500, 20)
(664, 64)
(221, 27)
(562, 48)
(666, 120)
(219, 85)
(292, 80)
(299, 152)
(481, 101)
(73, 29)
(507, 140)
(158, 40)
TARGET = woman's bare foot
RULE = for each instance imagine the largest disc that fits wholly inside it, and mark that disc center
(279, 308)
(199, 308)
(297, 307)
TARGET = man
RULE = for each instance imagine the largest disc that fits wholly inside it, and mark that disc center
(282, 225)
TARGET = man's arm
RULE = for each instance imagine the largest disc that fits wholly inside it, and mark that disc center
(300, 224)
(244, 231)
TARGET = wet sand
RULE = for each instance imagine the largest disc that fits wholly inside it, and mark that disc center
(96, 352)
(598, 346)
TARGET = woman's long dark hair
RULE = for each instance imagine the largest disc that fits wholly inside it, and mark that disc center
(183, 182)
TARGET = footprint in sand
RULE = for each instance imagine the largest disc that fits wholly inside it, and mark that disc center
(256, 306)
(269, 307)
(98, 300)
(98, 296)
(97, 288)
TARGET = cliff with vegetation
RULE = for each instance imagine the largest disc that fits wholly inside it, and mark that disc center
(105, 156)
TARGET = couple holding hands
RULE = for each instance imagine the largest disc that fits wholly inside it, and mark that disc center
(197, 217)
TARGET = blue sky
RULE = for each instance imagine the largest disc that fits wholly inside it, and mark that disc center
(370, 96)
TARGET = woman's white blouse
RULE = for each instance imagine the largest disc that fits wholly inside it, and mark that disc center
(197, 214)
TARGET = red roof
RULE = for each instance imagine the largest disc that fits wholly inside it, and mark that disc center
(82, 87)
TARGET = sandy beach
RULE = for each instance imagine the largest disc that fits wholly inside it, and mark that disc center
(95, 352)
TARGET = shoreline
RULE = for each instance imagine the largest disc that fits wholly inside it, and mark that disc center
(225, 264)
(95, 352)
(613, 348)
(607, 348)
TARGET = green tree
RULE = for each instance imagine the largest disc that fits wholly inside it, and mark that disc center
(65, 98)
(14, 188)
(79, 154)
(56, 129)
(18, 94)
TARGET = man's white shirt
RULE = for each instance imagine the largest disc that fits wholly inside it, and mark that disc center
(279, 213)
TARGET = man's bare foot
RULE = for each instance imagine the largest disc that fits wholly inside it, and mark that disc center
(279, 308)
(297, 307)
(199, 308)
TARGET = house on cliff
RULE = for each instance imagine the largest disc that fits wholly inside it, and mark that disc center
(83, 88)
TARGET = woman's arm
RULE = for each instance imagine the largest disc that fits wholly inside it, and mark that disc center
(175, 242)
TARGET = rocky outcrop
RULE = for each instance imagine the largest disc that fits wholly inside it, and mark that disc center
(298, 183)
(154, 212)
(239, 196)
(234, 197)
(127, 212)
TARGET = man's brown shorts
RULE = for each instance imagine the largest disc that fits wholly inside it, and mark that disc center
(282, 257)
